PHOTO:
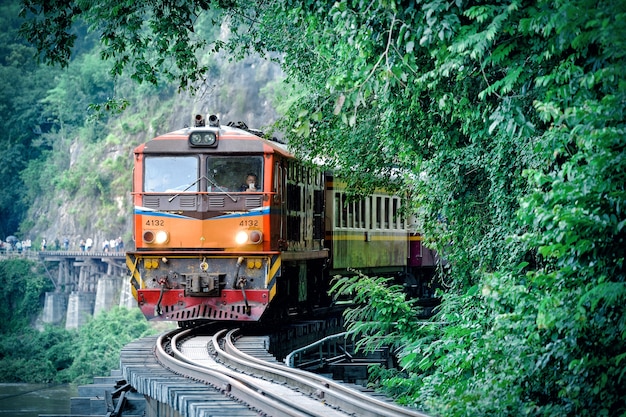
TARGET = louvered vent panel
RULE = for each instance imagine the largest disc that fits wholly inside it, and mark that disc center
(216, 202)
(188, 201)
(252, 202)
(151, 201)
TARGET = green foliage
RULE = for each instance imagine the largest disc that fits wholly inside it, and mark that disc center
(492, 110)
(34, 356)
(23, 86)
(383, 317)
(58, 355)
(84, 82)
(12, 205)
(101, 340)
(506, 121)
(157, 40)
(23, 284)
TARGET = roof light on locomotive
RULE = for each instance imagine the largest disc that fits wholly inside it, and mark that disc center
(204, 138)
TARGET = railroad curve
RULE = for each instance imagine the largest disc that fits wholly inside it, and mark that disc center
(269, 387)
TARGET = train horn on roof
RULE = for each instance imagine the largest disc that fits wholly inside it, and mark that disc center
(214, 121)
(199, 121)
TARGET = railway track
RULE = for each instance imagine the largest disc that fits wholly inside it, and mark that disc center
(266, 386)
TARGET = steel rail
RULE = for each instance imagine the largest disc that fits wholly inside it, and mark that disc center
(332, 392)
(227, 382)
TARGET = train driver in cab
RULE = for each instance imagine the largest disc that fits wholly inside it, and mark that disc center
(251, 184)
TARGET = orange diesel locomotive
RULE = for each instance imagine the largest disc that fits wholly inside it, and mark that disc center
(227, 224)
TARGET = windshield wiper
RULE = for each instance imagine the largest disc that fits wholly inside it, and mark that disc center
(186, 188)
(213, 183)
(195, 182)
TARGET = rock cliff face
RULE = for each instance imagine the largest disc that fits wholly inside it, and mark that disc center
(98, 206)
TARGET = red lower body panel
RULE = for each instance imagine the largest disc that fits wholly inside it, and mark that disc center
(229, 305)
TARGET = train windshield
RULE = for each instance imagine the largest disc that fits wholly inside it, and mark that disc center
(171, 174)
(235, 173)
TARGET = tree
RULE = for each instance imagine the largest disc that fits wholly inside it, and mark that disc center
(157, 39)
(507, 120)
(101, 340)
(23, 85)
(23, 284)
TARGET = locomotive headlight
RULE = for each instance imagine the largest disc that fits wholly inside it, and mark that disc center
(161, 237)
(148, 236)
(195, 138)
(241, 237)
(203, 138)
(255, 237)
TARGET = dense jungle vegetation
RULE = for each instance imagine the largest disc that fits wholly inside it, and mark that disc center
(54, 354)
(506, 120)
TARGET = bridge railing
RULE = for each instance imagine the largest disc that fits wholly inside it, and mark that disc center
(81, 254)
(37, 255)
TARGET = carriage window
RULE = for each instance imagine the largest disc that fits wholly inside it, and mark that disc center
(386, 213)
(396, 215)
(344, 211)
(360, 214)
(230, 173)
(378, 212)
(350, 210)
(337, 209)
(171, 174)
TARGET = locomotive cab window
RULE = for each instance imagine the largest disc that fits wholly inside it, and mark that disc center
(171, 174)
(235, 173)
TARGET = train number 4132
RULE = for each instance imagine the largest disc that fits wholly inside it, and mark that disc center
(248, 223)
(155, 222)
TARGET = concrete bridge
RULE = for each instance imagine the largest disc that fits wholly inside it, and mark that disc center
(85, 282)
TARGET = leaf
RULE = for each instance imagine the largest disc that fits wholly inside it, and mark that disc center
(410, 45)
(339, 104)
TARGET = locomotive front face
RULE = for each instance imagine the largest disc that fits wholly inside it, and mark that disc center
(203, 230)
(201, 201)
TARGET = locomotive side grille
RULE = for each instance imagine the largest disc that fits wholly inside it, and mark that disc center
(151, 201)
(188, 201)
(216, 202)
(253, 202)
